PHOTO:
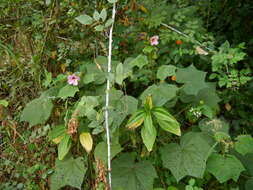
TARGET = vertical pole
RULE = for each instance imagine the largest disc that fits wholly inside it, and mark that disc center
(108, 98)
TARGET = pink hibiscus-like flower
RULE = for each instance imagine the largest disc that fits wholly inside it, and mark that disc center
(73, 79)
(154, 40)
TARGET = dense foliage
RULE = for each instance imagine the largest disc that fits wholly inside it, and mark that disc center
(181, 94)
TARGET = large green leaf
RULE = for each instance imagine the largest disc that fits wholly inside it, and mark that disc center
(207, 95)
(161, 93)
(37, 111)
(70, 172)
(166, 121)
(68, 91)
(128, 175)
(165, 71)
(244, 144)
(224, 167)
(193, 79)
(101, 151)
(148, 132)
(64, 146)
(188, 158)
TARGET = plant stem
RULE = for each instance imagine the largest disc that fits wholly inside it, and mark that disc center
(107, 99)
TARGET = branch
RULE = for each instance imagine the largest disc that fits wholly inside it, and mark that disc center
(186, 36)
(107, 99)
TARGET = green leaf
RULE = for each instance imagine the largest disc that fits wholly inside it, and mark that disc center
(224, 167)
(93, 73)
(161, 93)
(68, 172)
(207, 95)
(122, 72)
(136, 119)
(108, 22)
(84, 19)
(96, 15)
(188, 158)
(140, 61)
(103, 14)
(67, 91)
(86, 105)
(4, 103)
(101, 151)
(193, 79)
(37, 111)
(99, 28)
(128, 175)
(64, 146)
(130, 104)
(48, 78)
(148, 132)
(119, 74)
(165, 70)
(112, 1)
(166, 121)
(57, 131)
(244, 144)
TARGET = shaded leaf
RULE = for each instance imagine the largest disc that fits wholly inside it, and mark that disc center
(37, 111)
(193, 79)
(68, 91)
(64, 171)
(224, 167)
(101, 151)
(188, 158)
(244, 144)
(129, 175)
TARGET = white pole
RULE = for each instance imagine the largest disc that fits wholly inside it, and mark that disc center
(107, 99)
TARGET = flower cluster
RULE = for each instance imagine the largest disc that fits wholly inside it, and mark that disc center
(195, 112)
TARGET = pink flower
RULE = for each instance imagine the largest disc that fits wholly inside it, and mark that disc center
(154, 40)
(73, 79)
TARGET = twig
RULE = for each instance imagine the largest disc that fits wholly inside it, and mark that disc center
(186, 36)
(107, 99)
